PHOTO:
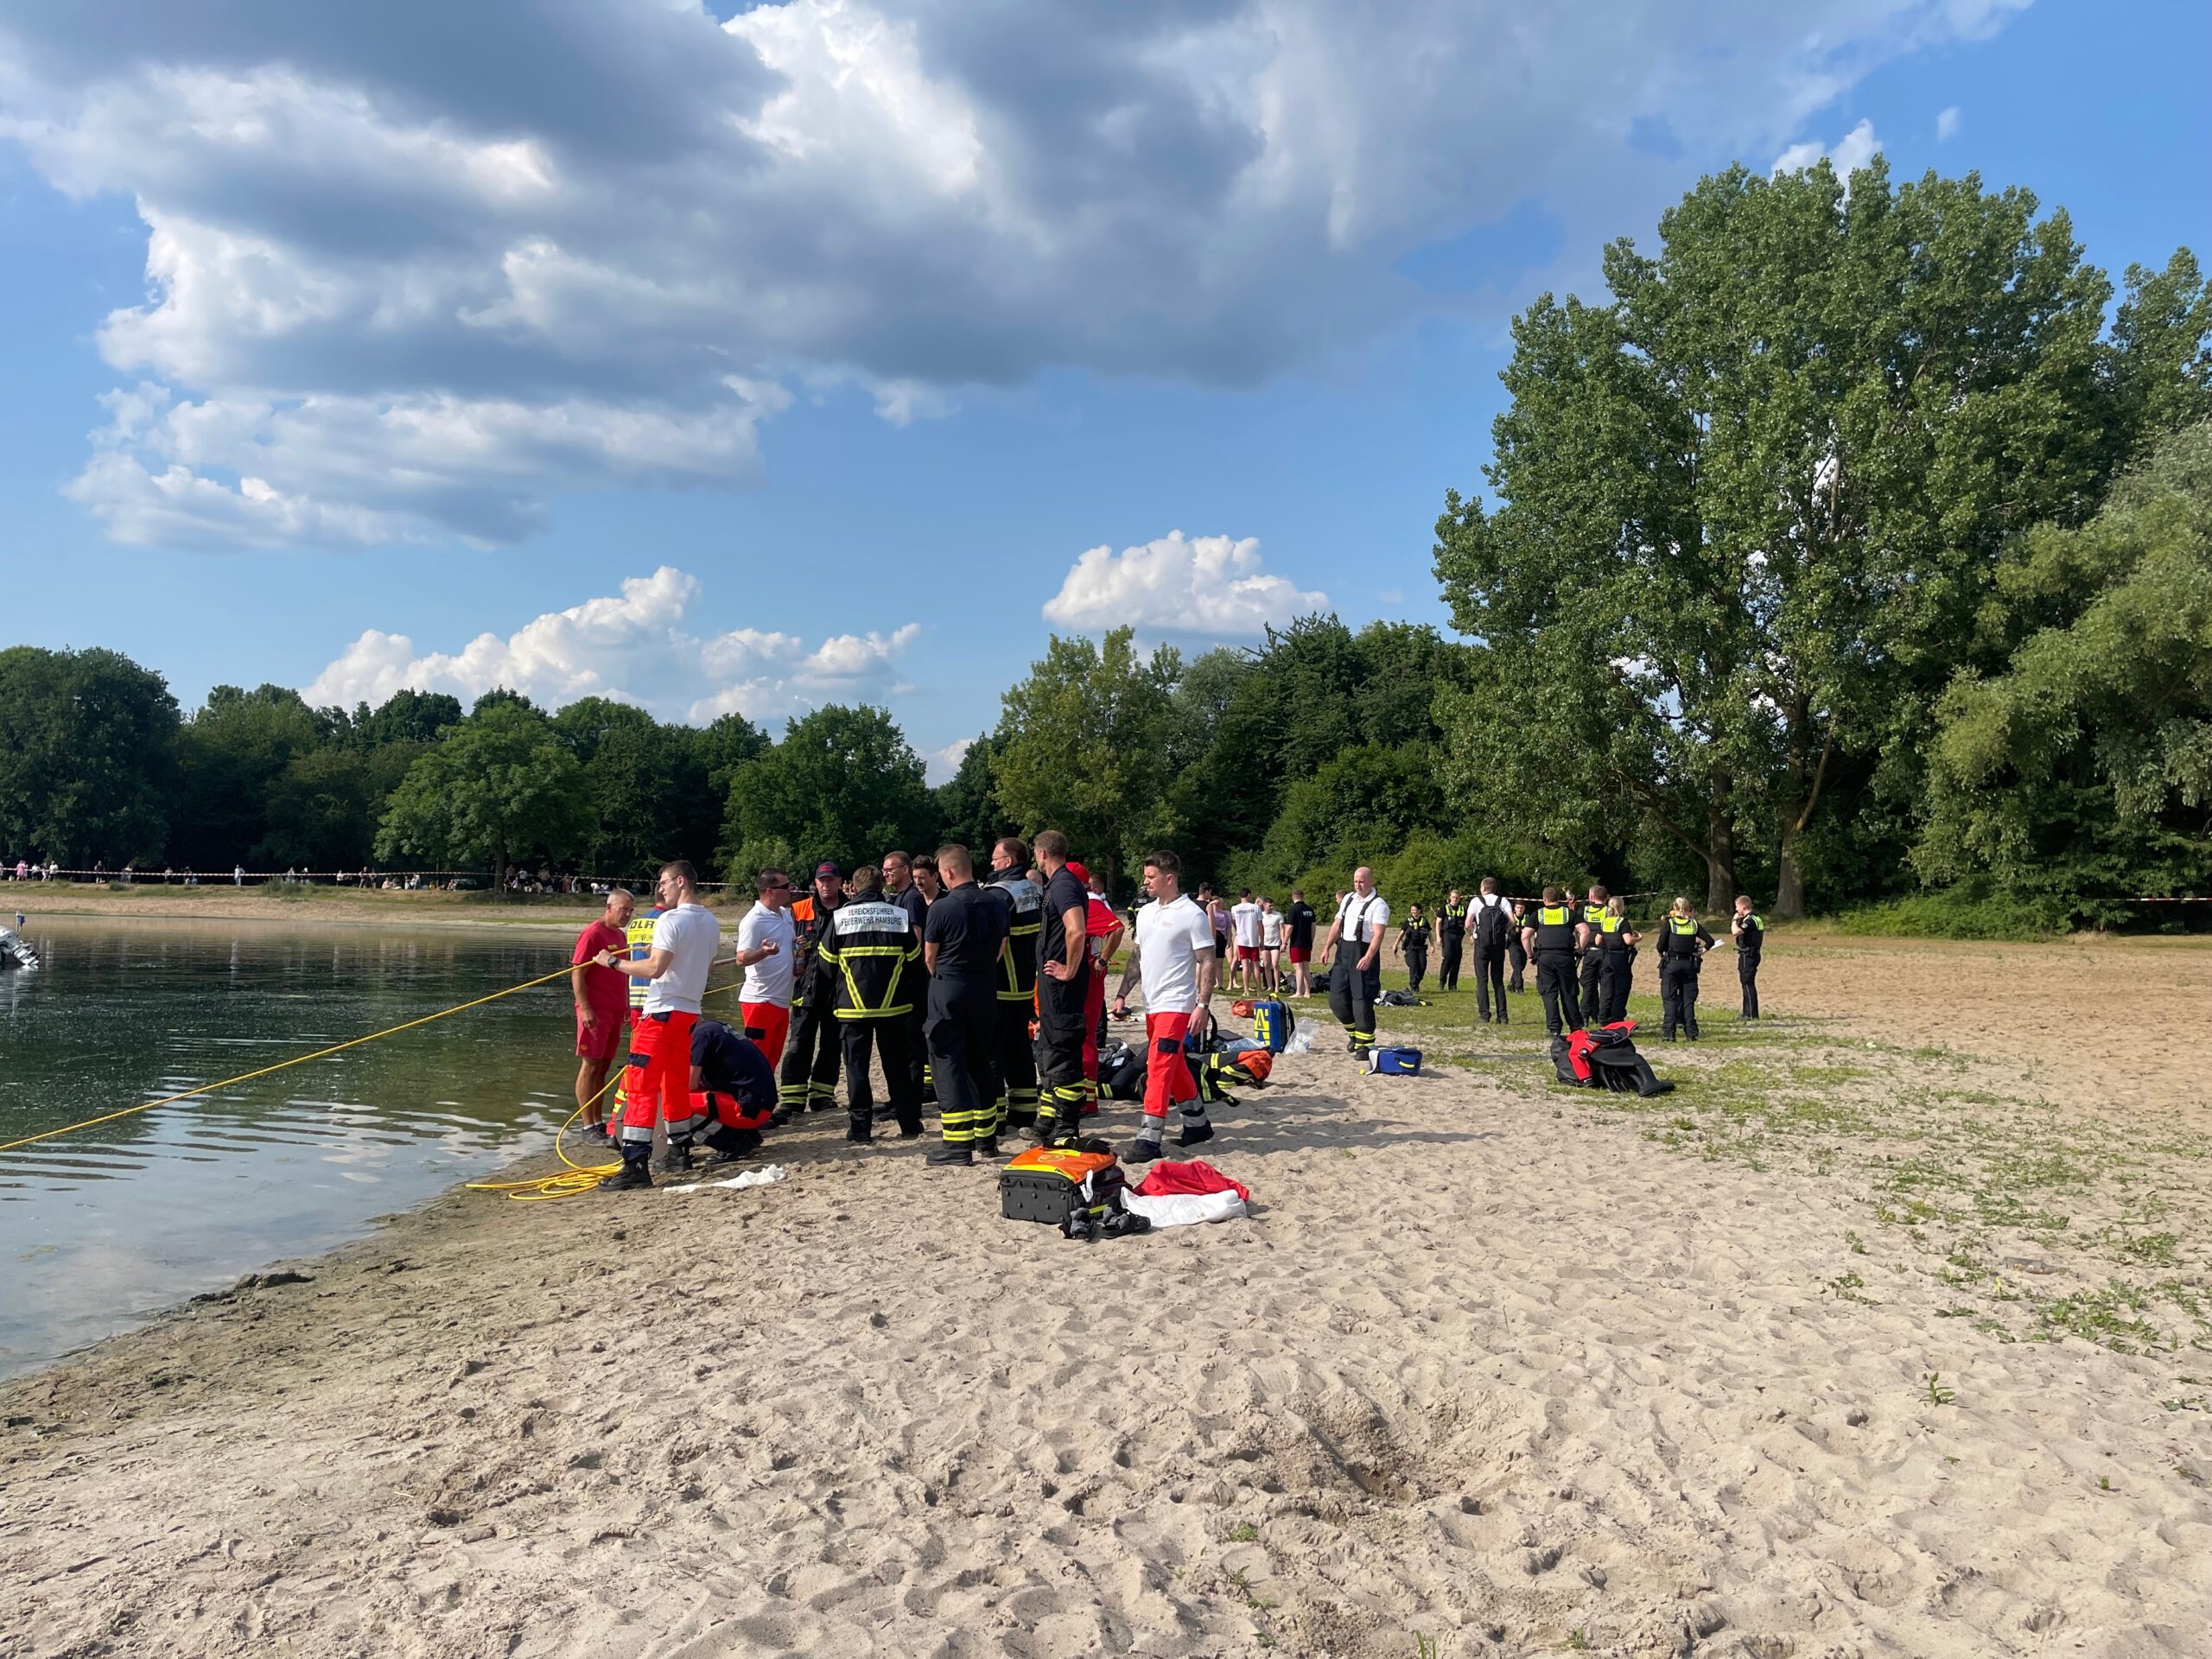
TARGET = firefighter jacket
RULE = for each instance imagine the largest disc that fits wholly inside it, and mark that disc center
(1025, 924)
(868, 952)
(809, 921)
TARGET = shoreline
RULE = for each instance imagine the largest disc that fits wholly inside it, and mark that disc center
(1493, 1363)
(315, 907)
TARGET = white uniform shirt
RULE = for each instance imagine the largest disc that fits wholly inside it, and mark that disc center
(1246, 918)
(768, 980)
(690, 935)
(1169, 939)
(1483, 901)
(1360, 920)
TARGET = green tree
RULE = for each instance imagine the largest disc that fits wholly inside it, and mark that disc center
(2084, 767)
(1748, 507)
(844, 784)
(87, 757)
(1083, 745)
(234, 751)
(498, 784)
(406, 716)
(321, 811)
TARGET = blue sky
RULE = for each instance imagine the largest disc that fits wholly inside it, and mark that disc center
(861, 325)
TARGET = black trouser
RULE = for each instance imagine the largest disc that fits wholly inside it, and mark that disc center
(917, 1045)
(1555, 985)
(1416, 965)
(1747, 972)
(1490, 979)
(808, 1081)
(1353, 993)
(963, 1031)
(1592, 1005)
(1615, 968)
(1447, 965)
(1014, 1066)
(1059, 1050)
(888, 1034)
(1517, 954)
(1678, 994)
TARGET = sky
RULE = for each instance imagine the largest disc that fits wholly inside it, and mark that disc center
(725, 357)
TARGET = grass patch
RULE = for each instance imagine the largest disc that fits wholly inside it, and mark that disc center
(1951, 916)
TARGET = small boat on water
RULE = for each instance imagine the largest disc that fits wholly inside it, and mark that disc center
(15, 950)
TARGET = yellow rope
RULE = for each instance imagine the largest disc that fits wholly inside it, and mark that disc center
(302, 1059)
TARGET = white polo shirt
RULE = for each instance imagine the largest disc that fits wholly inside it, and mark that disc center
(1169, 939)
(768, 980)
(690, 935)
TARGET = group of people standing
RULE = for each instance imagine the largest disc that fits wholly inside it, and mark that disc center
(987, 995)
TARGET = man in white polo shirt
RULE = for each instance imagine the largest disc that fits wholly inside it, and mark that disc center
(1174, 953)
(658, 1083)
(766, 947)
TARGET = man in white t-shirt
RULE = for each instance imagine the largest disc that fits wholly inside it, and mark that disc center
(658, 1084)
(1355, 968)
(1174, 955)
(765, 951)
(1244, 918)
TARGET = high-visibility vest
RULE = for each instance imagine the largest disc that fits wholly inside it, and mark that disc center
(1555, 927)
(1610, 928)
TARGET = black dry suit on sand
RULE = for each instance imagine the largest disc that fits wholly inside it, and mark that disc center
(869, 951)
(1682, 943)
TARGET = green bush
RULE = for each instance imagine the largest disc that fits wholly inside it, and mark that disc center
(1957, 915)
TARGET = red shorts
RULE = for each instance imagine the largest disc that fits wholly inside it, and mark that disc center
(1299, 953)
(1166, 1074)
(773, 1021)
(602, 1045)
(1248, 953)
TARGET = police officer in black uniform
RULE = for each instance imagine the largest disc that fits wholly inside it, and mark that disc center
(1413, 945)
(1553, 938)
(1489, 921)
(962, 940)
(809, 1073)
(1017, 1050)
(1063, 971)
(1593, 963)
(1451, 941)
(1750, 931)
(869, 951)
(1683, 944)
(1615, 961)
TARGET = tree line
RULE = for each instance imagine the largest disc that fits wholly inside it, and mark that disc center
(1853, 543)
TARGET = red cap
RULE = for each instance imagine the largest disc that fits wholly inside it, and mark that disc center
(1077, 871)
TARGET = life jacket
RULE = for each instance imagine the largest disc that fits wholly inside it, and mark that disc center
(1025, 923)
(1555, 927)
(869, 946)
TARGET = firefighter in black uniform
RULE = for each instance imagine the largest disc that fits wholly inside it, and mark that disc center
(868, 953)
(1024, 918)
(1553, 939)
(1451, 941)
(1683, 944)
(1616, 956)
(1592, 914)
(1063, 973)
(900, 887)
(809, 1081)
(961, 943)
(1491, 922)
(1356, 937)
(1750, 933)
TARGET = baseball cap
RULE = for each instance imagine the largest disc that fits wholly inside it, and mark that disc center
(828, 866)
(1077, 870)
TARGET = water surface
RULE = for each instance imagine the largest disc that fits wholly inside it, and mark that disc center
(99, 1229)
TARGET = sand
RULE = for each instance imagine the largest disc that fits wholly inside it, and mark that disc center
(1491, 1368)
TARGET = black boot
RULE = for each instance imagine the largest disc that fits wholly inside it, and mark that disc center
(947, 1154)
(634, 1175)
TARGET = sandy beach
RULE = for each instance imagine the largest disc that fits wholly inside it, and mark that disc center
(1820, 1355)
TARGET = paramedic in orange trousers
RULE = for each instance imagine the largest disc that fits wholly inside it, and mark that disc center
(1177, 959)
(658, 1084)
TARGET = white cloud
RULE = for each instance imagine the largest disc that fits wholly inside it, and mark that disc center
(1849, 153)
(632, 647)
(1205, 584)
(1947, 122)
(943, 762)
(592, 243)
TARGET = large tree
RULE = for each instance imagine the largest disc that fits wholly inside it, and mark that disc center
(87, 757)
(1083, 745)
(844, 784)
(1748, 506)
(499, 784)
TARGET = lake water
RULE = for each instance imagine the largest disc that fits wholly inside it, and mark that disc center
(101, 1228)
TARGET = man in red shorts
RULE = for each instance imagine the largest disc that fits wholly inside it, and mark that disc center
(1174, 952)
(1298, 934)
(602, 998)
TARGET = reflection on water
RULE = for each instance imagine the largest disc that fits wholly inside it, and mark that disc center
(99, 1228)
